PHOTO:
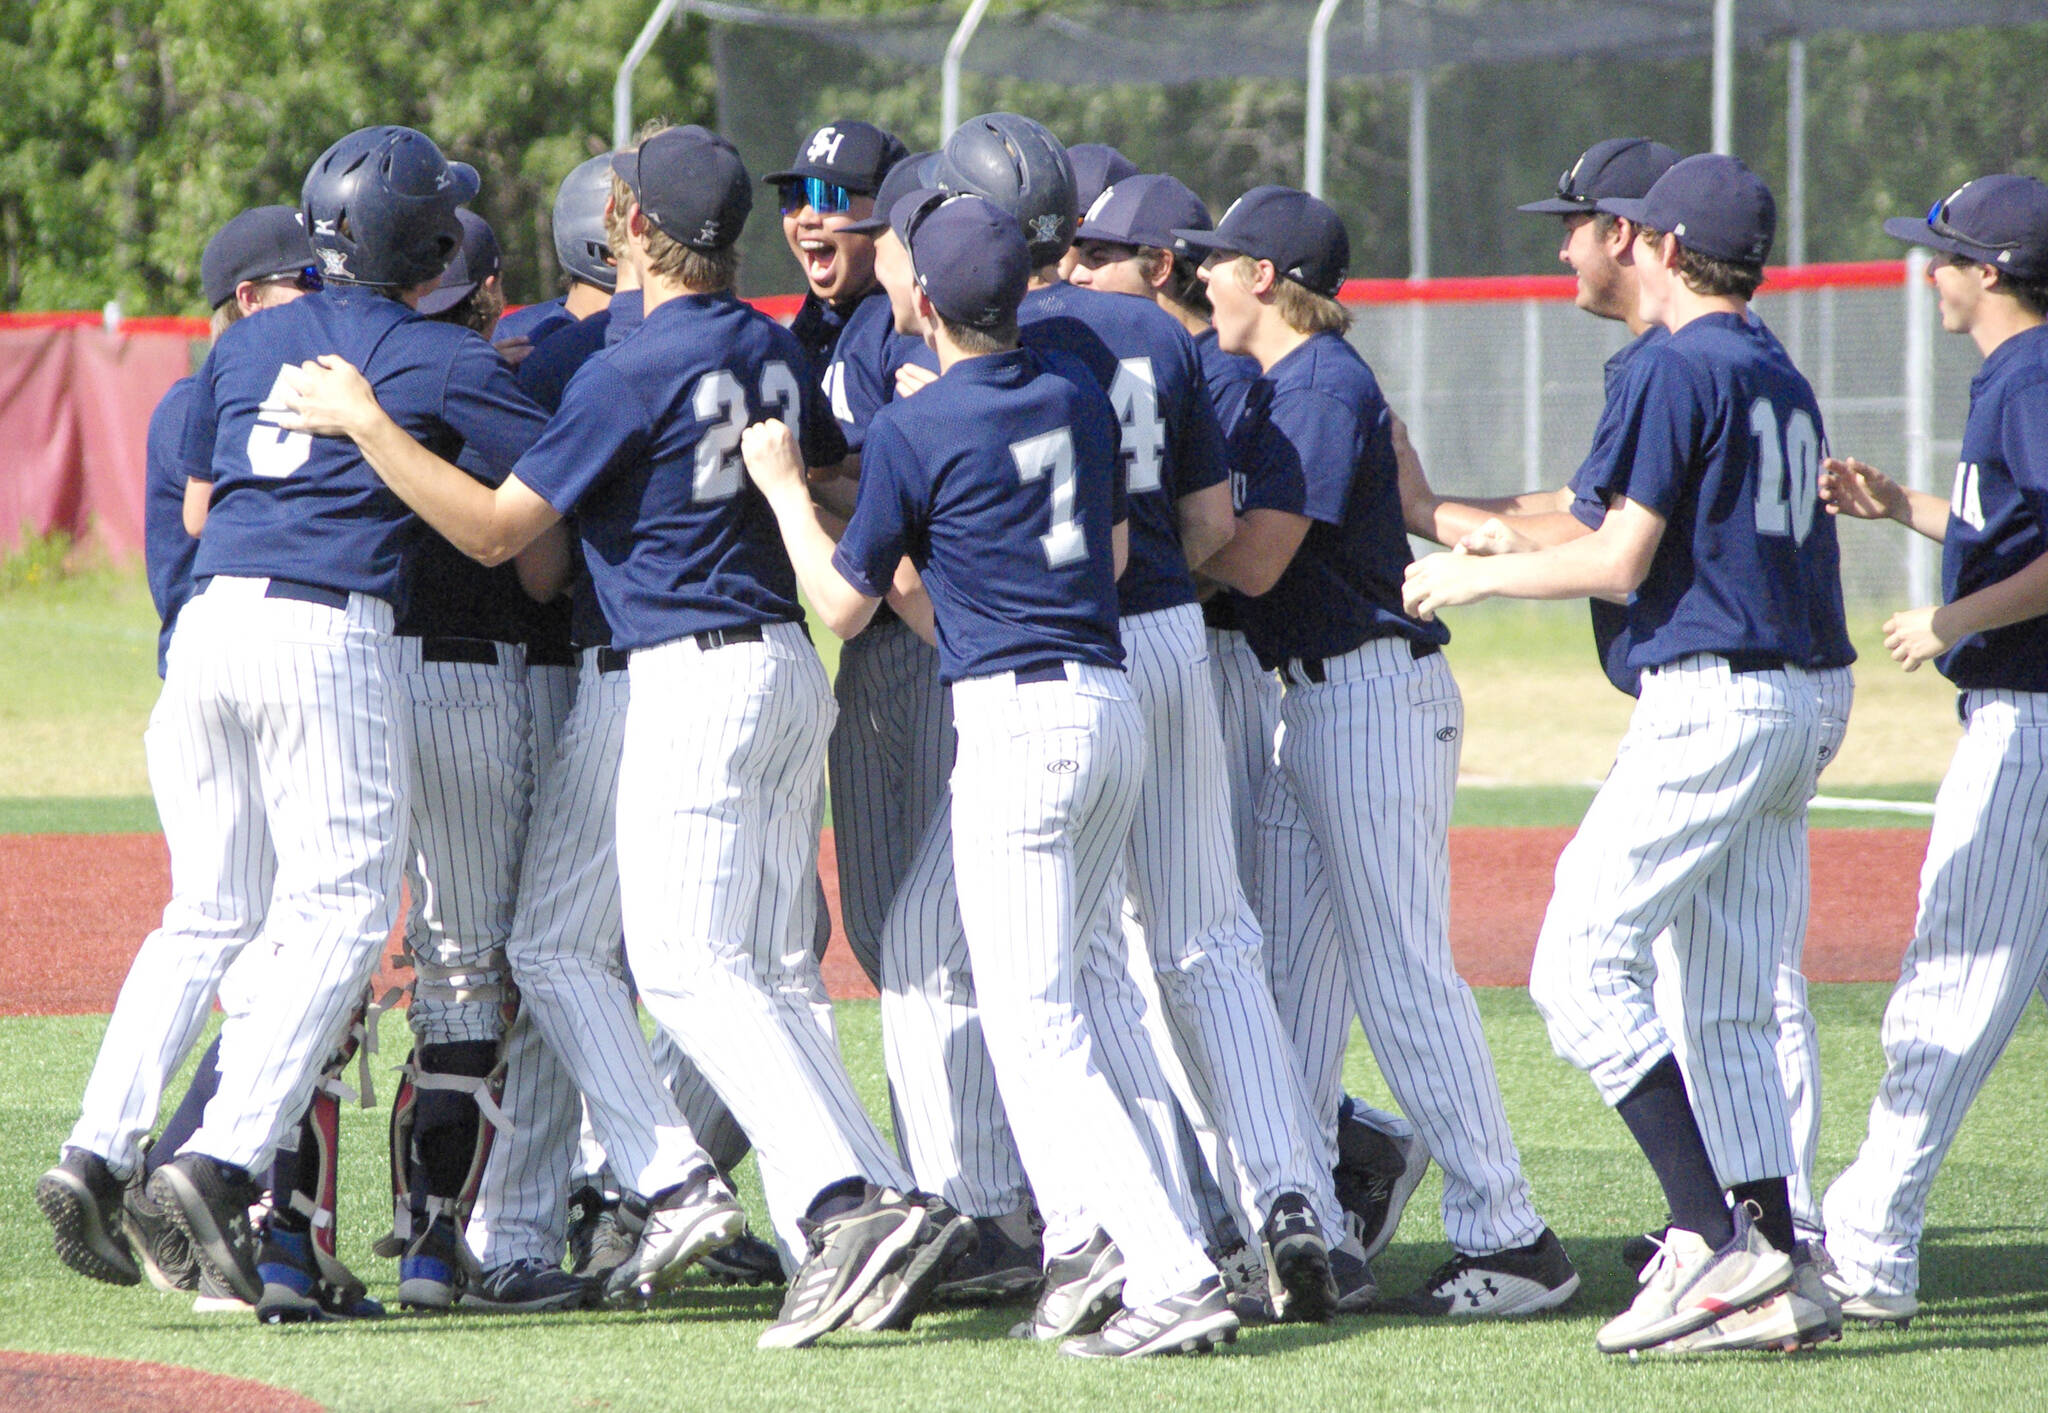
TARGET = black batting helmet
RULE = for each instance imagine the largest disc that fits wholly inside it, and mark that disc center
(380, 207)
(1014, 162)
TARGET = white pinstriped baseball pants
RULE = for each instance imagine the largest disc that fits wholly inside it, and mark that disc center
(1201, 938)
(1044, 788)
(269, 705)
(469, 729)
(891, 751)
(578, 1032)
(720, 791)
(1979, 951)
(1705, 920)
(1355, 881)
(1706, 798)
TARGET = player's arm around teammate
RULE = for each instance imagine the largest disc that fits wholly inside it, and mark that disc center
(1980, 938)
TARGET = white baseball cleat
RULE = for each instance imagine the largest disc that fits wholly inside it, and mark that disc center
(1690, 1285)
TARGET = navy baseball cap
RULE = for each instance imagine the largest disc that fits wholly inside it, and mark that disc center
(261, 243)
(477, 260)
(1146, 210)
(1714, 205)
(1097, 167)
(905, 177)
(1299, 233)
(854, 155)
(2001, 221)
(969, 254)
(692, 185)
(1620, 166)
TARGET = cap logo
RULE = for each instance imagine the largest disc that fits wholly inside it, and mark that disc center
(447, 178)
(1045, 229)
(332, 261)
(824, 146)
(1572, 173)
(707, 234)
(2005, 257)
(1679, 229)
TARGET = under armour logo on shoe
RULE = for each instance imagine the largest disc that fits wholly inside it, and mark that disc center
(824, 145)
(1486, 1287)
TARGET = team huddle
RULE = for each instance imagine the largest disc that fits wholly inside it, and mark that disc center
(1142, 750)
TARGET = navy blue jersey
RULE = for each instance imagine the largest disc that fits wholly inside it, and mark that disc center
(627, 309)
(535, 322)
(1229, 376)
(860, 378)
(1722, 437)
(167, 550)
(819, 323)
(1315, 439)
(544, 372)
(1000, 481)
(450, 595)
(646, 451)
(293, 506)
(1998, 512)
(1172, 446)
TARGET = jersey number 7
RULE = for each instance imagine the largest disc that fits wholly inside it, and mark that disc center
(1053, 453)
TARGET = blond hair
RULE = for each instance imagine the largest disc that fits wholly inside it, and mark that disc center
(1300, 308)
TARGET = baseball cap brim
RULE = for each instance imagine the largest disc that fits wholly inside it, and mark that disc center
(1915, 231)
(442, 298)
(627, 165)
(1558, 206)
(1085, 231)
(1207, 240)
(824, 174)
(1629, 208)
(467, 182)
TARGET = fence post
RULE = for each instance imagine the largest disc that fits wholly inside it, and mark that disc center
(1532, 395)
(1919, 382)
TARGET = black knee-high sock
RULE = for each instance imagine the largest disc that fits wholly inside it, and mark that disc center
(1774, 1199)
(1660, 1116)
(191, 1111)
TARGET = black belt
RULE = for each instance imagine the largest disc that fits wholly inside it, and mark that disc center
(550, 655)
(725, 637)
(1054, 670)
(1220, 612)
(477, 650)
(1315, 673)
(1753, 661)
(289, 589)
(612, 660)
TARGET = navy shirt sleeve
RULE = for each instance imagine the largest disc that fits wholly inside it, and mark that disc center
(1313, 478)
(202, 423)
(600, 424)
(885, 513)
(482, 402)
(1662, 425)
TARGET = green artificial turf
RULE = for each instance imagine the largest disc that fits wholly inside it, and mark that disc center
(1981, 1341)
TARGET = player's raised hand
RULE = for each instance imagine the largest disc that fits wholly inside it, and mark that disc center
(773, 460)
(1910, 637)
(910, 377)
(328, 397)
(1496, 536)
(1442, 580)
(1854, 488)
(514, 349)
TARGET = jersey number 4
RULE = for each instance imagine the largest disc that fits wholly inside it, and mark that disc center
(1787, 471)
(275, 453)
(721, 403)
(1135, 396)
(1052, 453)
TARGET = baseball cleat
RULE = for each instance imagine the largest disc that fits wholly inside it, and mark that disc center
(1518, 1281)
(209, 1201)
(849, 1253)
(82, 1199)
(745, 1260)
(1298, 1262)
(1690, 1286)
(527, 1286)
(1245, 1283)
(300, 1287)
(596, 1245)
(945, 1237)
(1870, 1307)
(1375, 1176)
(167, 1257)
(1192, 1322)
(214, 1298)
(1082, 1290)
(430, 1274)
(1801, 1316)
(1356, 1286)
(676, 1226)
(997, 1269)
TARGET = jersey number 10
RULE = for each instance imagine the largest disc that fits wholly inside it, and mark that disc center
(1787, 471)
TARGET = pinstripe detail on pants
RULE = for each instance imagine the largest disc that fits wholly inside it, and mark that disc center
(1979, 952)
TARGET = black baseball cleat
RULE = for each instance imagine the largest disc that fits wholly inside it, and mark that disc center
(82, 1199)
(1375, 1176)
(209, 1201)
(526, 1286)
(1193, 1322)
(304, 1285)
(1298, 1262)
(1518, 1281)
(167, 1257)
(745, 1260)
(998, 1268)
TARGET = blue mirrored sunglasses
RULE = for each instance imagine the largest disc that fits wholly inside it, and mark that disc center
(1937, 221)
(306, 279)
(826, 198)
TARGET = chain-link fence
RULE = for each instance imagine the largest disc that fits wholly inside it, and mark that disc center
(1500, 384)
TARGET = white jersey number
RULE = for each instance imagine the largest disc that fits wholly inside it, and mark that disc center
(720, 402)
(275, 453)
(1964, 502)
(1135, 396)
(1787, 472)
(1053, 452)
(835, 392)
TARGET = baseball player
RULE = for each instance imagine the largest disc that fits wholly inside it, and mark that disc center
(1977, 950)
(1598, 245)
(1127, 246)
(999, 481)
(721, 763)
(1353, 819)
(281, 682)
(1097, 167)
(578, 228)
(1712, 542)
